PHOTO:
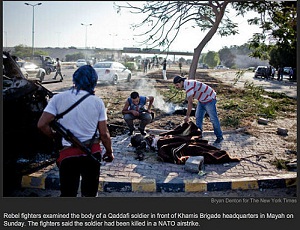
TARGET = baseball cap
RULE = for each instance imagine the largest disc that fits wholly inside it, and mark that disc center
(178, 79)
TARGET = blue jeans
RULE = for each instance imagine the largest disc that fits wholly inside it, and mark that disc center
(211, 109)
(145, 119)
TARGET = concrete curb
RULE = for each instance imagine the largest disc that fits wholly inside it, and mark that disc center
(44, 179)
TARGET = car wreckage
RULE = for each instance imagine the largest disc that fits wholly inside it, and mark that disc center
(23, 103)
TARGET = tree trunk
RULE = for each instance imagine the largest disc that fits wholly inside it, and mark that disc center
(205, 40)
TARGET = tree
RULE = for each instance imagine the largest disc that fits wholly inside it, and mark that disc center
(278, 40)
(23, 51)
(166, 18)
(182, 60)
(202, 57)
(226, 57)
(212, 59)
(75, 56)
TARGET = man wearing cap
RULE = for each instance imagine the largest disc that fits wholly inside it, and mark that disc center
(206, 97)
(86, 121)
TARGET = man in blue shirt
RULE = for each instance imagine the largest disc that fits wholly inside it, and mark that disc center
(134, 108)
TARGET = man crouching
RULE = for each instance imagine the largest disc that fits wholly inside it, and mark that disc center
(134, 108)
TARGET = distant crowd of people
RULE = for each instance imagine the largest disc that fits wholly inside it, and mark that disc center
(271, 72)
(148, 64)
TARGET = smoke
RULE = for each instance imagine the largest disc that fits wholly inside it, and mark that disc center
(146, 87)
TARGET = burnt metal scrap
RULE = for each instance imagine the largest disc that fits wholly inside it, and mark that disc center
(143, 144)
(23, 103)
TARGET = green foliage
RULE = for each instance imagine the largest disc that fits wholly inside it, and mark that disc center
(41, 52)
(174, 95)
(202, 57)
(131, 65)
(278, 21)
(75, 56)
(231, 104)
(239, 107)
(256, 91)
(226, 57)
(23, 51)
(282, 56)
(231, 121)
(268, 110)
(227, 27)
(212, 58)
(260, 50)
(280, 163)
(238, 76)
(240, 50)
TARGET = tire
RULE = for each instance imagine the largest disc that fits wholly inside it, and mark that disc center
(42, 77)
(129, 78)
(48, 71)
(115, 80)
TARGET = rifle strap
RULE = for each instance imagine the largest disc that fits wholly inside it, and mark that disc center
(58, 116)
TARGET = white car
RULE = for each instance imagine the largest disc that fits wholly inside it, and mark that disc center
(81, 62)
(113, 72)
(221, 67)
(31, 70)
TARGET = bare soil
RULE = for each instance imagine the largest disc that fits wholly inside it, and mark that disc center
(152, 84)
(149, 85)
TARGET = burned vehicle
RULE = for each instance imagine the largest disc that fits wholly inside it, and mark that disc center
(23, 104)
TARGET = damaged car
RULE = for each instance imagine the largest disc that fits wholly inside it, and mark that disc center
(23, 103)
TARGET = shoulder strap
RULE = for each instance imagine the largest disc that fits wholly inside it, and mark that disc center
(58, 116)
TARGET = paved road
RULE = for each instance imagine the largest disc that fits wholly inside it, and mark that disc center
(227, 76)
(278, 192)
(287, 87)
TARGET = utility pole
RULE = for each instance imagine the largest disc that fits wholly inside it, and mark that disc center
(86, 26)
(33, 23)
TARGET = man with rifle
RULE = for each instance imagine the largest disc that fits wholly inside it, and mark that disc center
(82, 124)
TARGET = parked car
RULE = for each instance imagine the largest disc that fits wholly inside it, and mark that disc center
(202, 66)
(110, 71)
(286, 70)
(81, 62)
(261, 71)
(221, 67)
(46, 62)
(31, 70)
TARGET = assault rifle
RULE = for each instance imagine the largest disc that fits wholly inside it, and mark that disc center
(69, 136)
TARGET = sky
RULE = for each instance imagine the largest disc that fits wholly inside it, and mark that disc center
(58, 24)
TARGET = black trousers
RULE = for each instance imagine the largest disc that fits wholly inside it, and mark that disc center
(70, 171)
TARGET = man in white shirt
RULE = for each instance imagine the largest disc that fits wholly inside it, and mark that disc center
(87, 120)
(206, 97)
(58, 69)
